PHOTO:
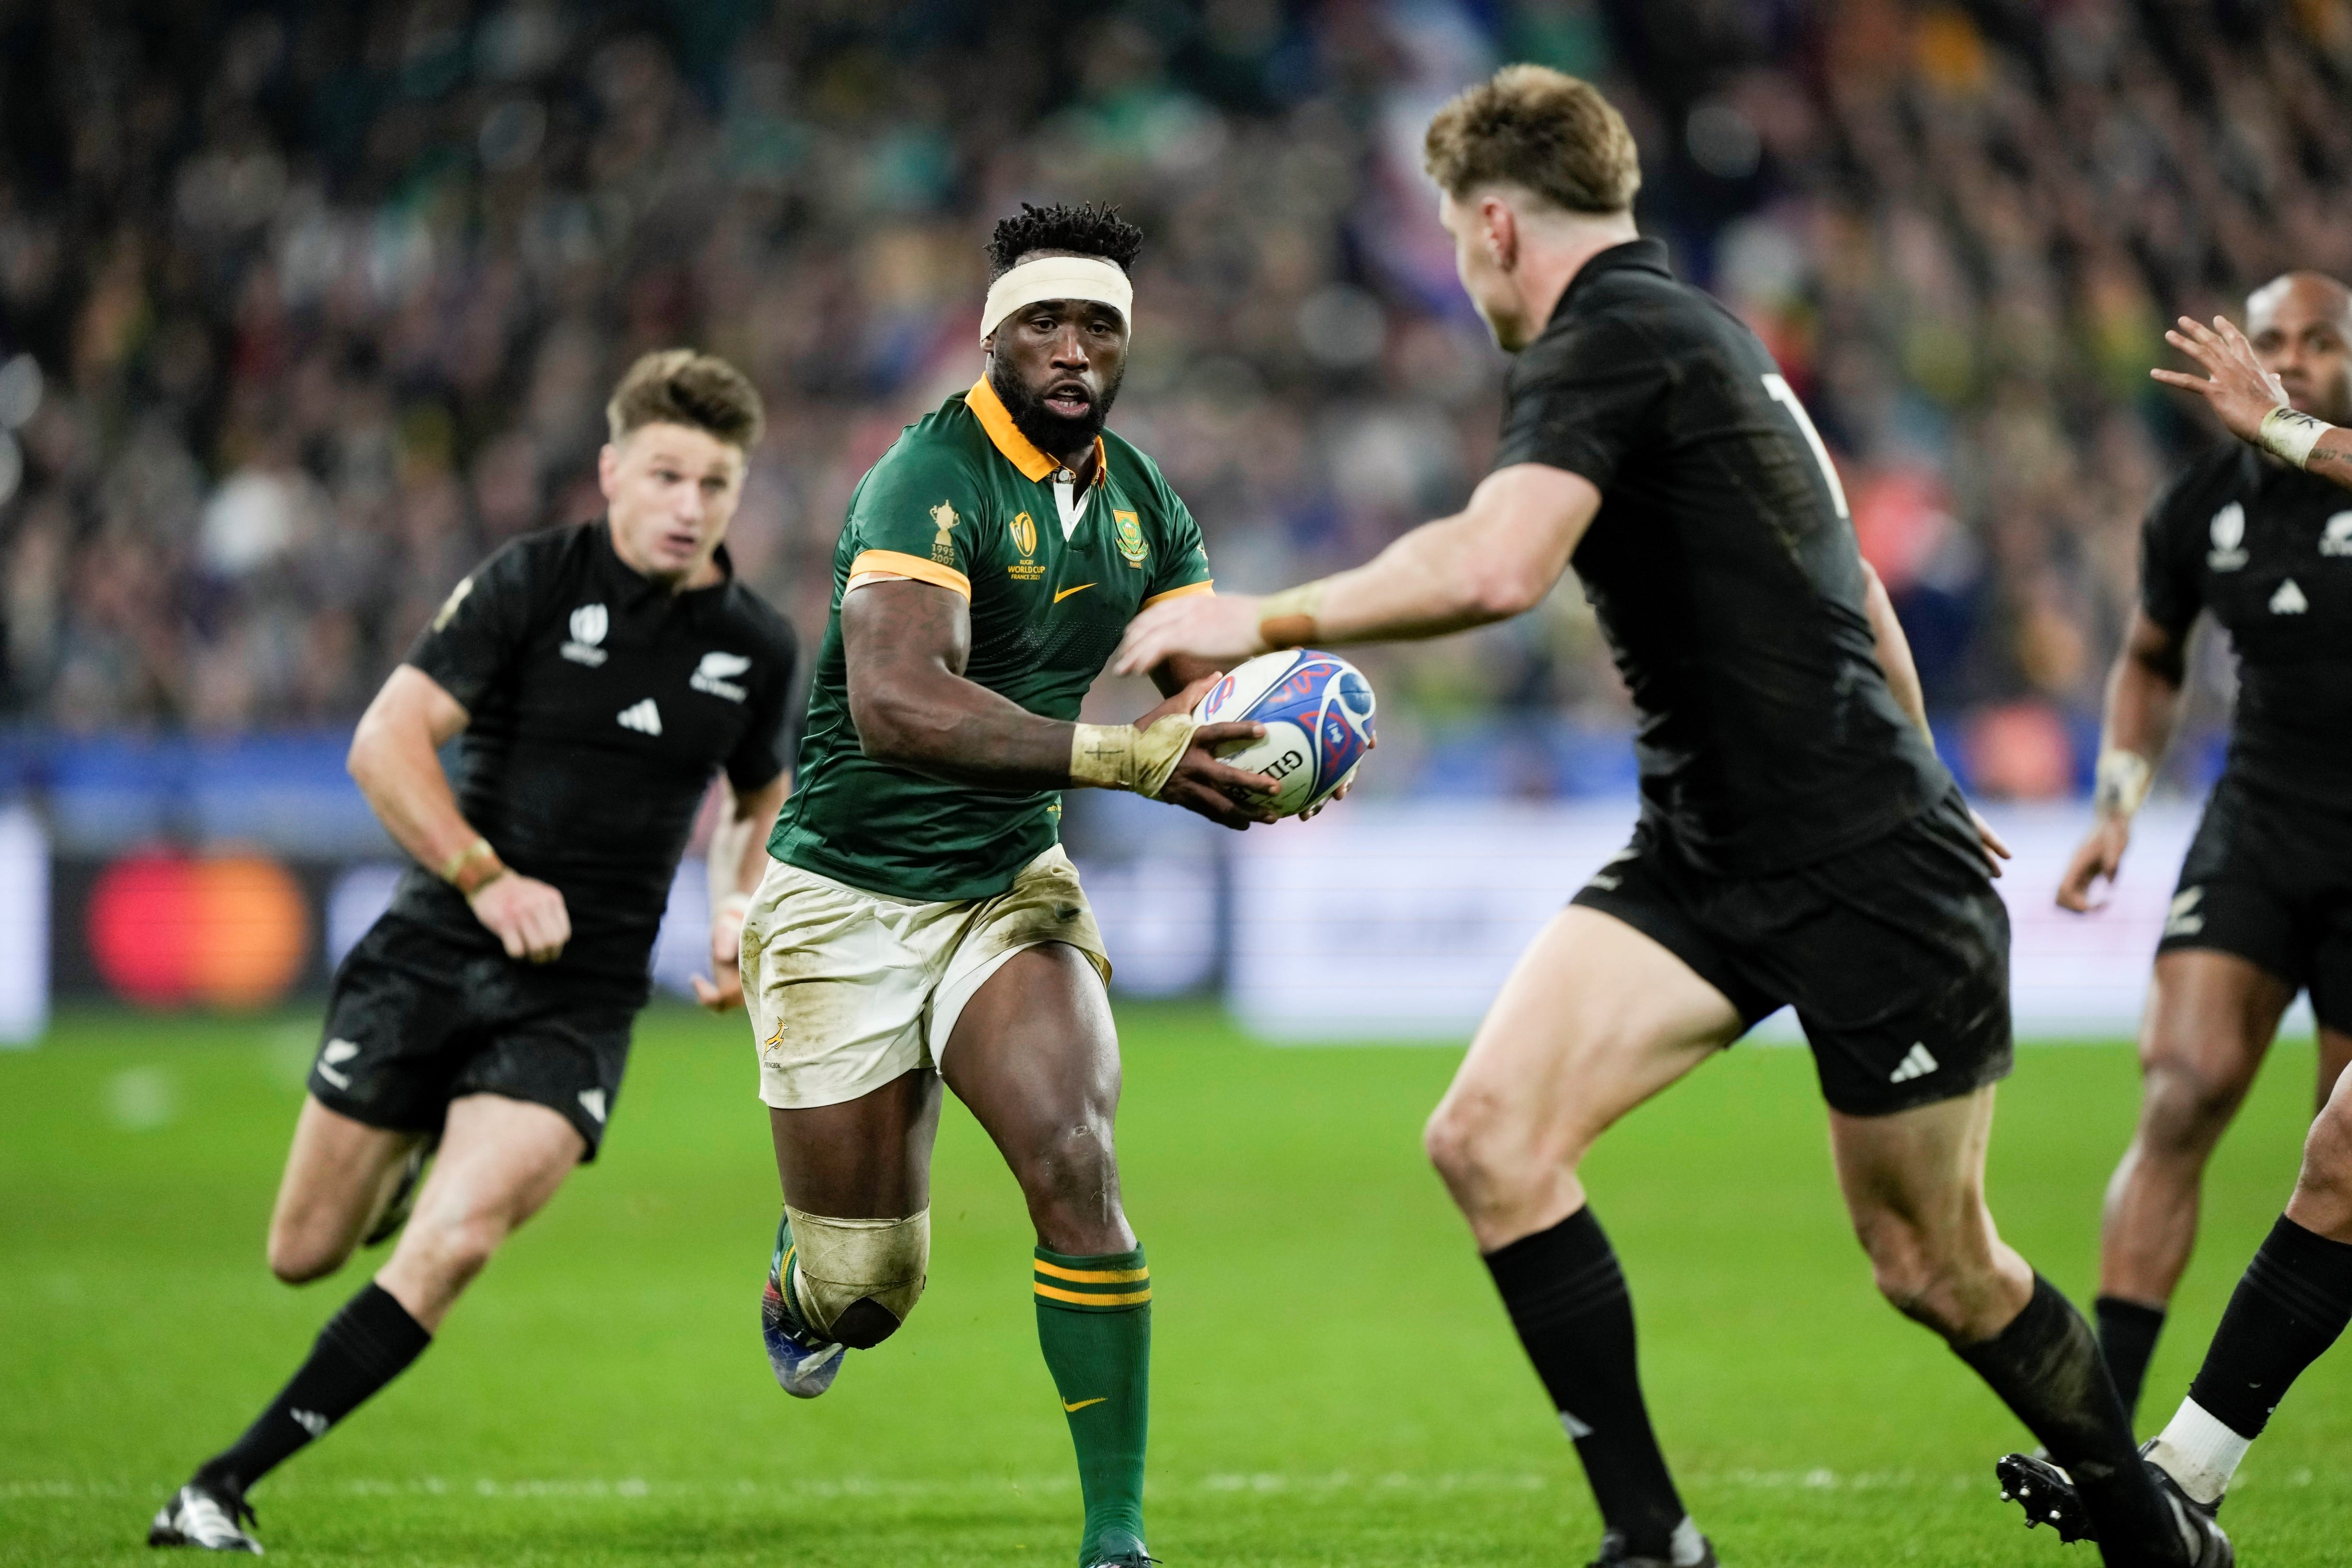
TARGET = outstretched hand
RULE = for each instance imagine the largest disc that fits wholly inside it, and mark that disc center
(1201, 783)
(1222, 627)
(2239, 391)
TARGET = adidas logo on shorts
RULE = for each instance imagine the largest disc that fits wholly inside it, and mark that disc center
(1917, 1063)
(642, 717)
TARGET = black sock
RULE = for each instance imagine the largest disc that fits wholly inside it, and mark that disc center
(1566, 1297)
(2290, 1305)
(2047, 1368)
(2128, 1332)
(364, 1346)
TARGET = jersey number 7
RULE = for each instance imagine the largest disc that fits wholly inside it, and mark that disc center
(1784, 395)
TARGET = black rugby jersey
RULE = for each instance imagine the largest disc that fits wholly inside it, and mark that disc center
(2268, 550)
(600, 704)
(1722, 569)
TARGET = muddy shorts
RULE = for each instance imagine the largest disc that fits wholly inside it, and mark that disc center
(849, 990)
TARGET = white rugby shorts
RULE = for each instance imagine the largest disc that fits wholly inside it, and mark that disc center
(848, 990)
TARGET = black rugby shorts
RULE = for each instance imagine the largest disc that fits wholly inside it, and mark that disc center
(1895, 955)
(2271, 881)
(417, 1019)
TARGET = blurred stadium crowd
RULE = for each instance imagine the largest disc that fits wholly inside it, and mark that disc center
(303, 308)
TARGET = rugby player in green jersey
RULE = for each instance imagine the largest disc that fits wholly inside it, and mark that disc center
(920, 923)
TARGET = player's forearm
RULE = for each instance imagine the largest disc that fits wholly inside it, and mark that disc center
(2331, 456)
(957, 730)
(738, 858)
(1895, 659)
(397, 767)
(2143, 705)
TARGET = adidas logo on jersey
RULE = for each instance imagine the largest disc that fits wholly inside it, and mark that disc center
(715, 675)
(642, 717)
(1917, 1063)
(589, 625)
(2289, 600)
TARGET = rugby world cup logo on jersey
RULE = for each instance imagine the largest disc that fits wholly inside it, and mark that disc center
(943, 517)
(716, 674)
(1023, 530)
(588, 626)
(2229, 534)
(2335, 535)
(1127, 533)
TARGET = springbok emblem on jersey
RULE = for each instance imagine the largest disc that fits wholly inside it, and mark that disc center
(943, 517)
(1127, 533)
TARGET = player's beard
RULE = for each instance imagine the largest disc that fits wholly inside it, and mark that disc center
(1049, 432)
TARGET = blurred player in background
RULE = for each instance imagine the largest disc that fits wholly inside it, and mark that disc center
(598, 674)
(2263, 907)
(1799, 844)
(2295, 1297)
(921, 922)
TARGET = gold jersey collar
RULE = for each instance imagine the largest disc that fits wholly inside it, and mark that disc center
(1018, 449)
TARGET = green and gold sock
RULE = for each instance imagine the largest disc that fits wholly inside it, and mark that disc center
(1094, 1320)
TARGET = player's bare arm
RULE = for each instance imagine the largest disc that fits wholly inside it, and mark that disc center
(905, 643)
(2143, 703)
(1494, 559)
(2253, 404)
(1903, 680)
(738, 859)
(396, 760)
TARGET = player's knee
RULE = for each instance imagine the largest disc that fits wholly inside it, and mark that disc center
(298, 1256)
(1468, 1139)
(855, 1280)
(453, 1250)
(1071, 1179)
(2186, 1107)
(2326, 1172)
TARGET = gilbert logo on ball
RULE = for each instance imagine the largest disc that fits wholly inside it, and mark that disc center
(1317, 712)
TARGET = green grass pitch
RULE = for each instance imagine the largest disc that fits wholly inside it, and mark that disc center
(1335, 1381)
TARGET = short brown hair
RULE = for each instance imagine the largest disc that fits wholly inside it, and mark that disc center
(1540, 129)
(679, 386)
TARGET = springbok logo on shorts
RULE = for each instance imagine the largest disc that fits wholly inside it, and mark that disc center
(2229, 531)
(2335, 537)
(589, 625)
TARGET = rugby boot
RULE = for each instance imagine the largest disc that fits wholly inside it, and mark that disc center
(1132, 1557)
(804, 1364)
(1614, 1554)
(404, 1196)
(2048, 1497)
(204, 1517)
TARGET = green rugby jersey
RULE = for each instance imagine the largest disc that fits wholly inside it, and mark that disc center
(964, 499)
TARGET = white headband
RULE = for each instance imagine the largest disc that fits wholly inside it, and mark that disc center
(1056, 278)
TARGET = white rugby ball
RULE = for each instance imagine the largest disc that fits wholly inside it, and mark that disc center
(1317, 712)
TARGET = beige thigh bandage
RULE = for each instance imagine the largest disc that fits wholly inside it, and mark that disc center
(838, 1264)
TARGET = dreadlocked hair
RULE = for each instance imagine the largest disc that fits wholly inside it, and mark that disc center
(1089, 228)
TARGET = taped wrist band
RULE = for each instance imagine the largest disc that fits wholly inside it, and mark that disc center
(2123, 781)
(1120, 756)
(474, 868)
(2290, 435)
(1287, 619)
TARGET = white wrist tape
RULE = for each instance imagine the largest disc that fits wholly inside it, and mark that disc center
(2290, 435)
(1120, 756)
(2122, 782)
(1056, 278)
